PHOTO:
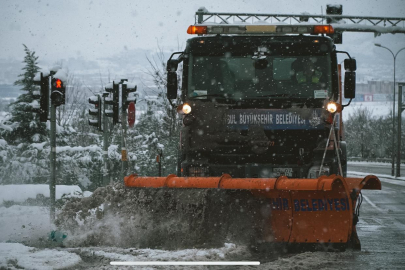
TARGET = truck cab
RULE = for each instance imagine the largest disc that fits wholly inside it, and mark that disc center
(256, 104)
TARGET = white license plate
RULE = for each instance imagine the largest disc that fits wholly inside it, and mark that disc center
(283, 171)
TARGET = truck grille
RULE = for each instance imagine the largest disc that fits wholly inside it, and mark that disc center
(281, 148)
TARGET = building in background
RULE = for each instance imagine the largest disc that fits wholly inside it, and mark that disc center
(375, 91)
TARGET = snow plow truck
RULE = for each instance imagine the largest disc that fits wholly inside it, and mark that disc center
(262, 141)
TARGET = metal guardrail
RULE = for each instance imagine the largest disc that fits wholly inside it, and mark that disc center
(383, 160)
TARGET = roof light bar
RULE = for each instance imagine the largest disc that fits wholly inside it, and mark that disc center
(260, 29)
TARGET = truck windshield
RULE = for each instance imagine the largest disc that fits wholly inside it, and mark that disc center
(236, 77)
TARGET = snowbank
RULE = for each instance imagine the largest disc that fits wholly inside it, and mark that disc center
(156, 218)
(17, 256)
(24, 223)
(20, 193)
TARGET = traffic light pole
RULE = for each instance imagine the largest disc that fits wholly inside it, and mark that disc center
(55, 89)
(106, 178)
(124, 116)
(118, 96)
(124, 157)
(52, 157)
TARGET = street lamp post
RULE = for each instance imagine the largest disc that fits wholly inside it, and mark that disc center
(398, 172)
(393, 109)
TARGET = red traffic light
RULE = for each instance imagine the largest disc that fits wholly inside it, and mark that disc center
(58, 92)
(58, 83)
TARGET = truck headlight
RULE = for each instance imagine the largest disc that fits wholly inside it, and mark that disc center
(184, 108)
(333, 107)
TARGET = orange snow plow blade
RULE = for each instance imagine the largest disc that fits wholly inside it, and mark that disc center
(318, 210)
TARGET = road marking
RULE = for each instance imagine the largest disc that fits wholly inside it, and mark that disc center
(372, 204)
(183, 263)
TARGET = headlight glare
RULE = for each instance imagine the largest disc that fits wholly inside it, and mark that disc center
(331, 107)
(186, 108)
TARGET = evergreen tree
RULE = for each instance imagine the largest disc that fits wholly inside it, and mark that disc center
(27, 127)
(150, 142)
(169, 122)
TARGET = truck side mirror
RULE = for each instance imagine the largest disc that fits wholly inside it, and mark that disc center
(171, 84)
(350, 84)
(172, 65)
(171, 68)
(350, 64)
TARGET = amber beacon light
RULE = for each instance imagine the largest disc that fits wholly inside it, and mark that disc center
(193, 29)
(323, 29)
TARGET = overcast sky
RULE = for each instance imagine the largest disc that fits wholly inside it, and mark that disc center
(98, 28)
(104, 37)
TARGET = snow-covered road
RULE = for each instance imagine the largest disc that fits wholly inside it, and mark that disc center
(24, 245)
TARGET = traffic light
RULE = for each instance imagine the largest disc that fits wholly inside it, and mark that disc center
(126, 89)
(96, 100)
(334, 10)
(58, 92)
(114, 100)
(43, 96)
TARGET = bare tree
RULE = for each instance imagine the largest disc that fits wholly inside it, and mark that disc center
(158, 72)
(75, 97)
